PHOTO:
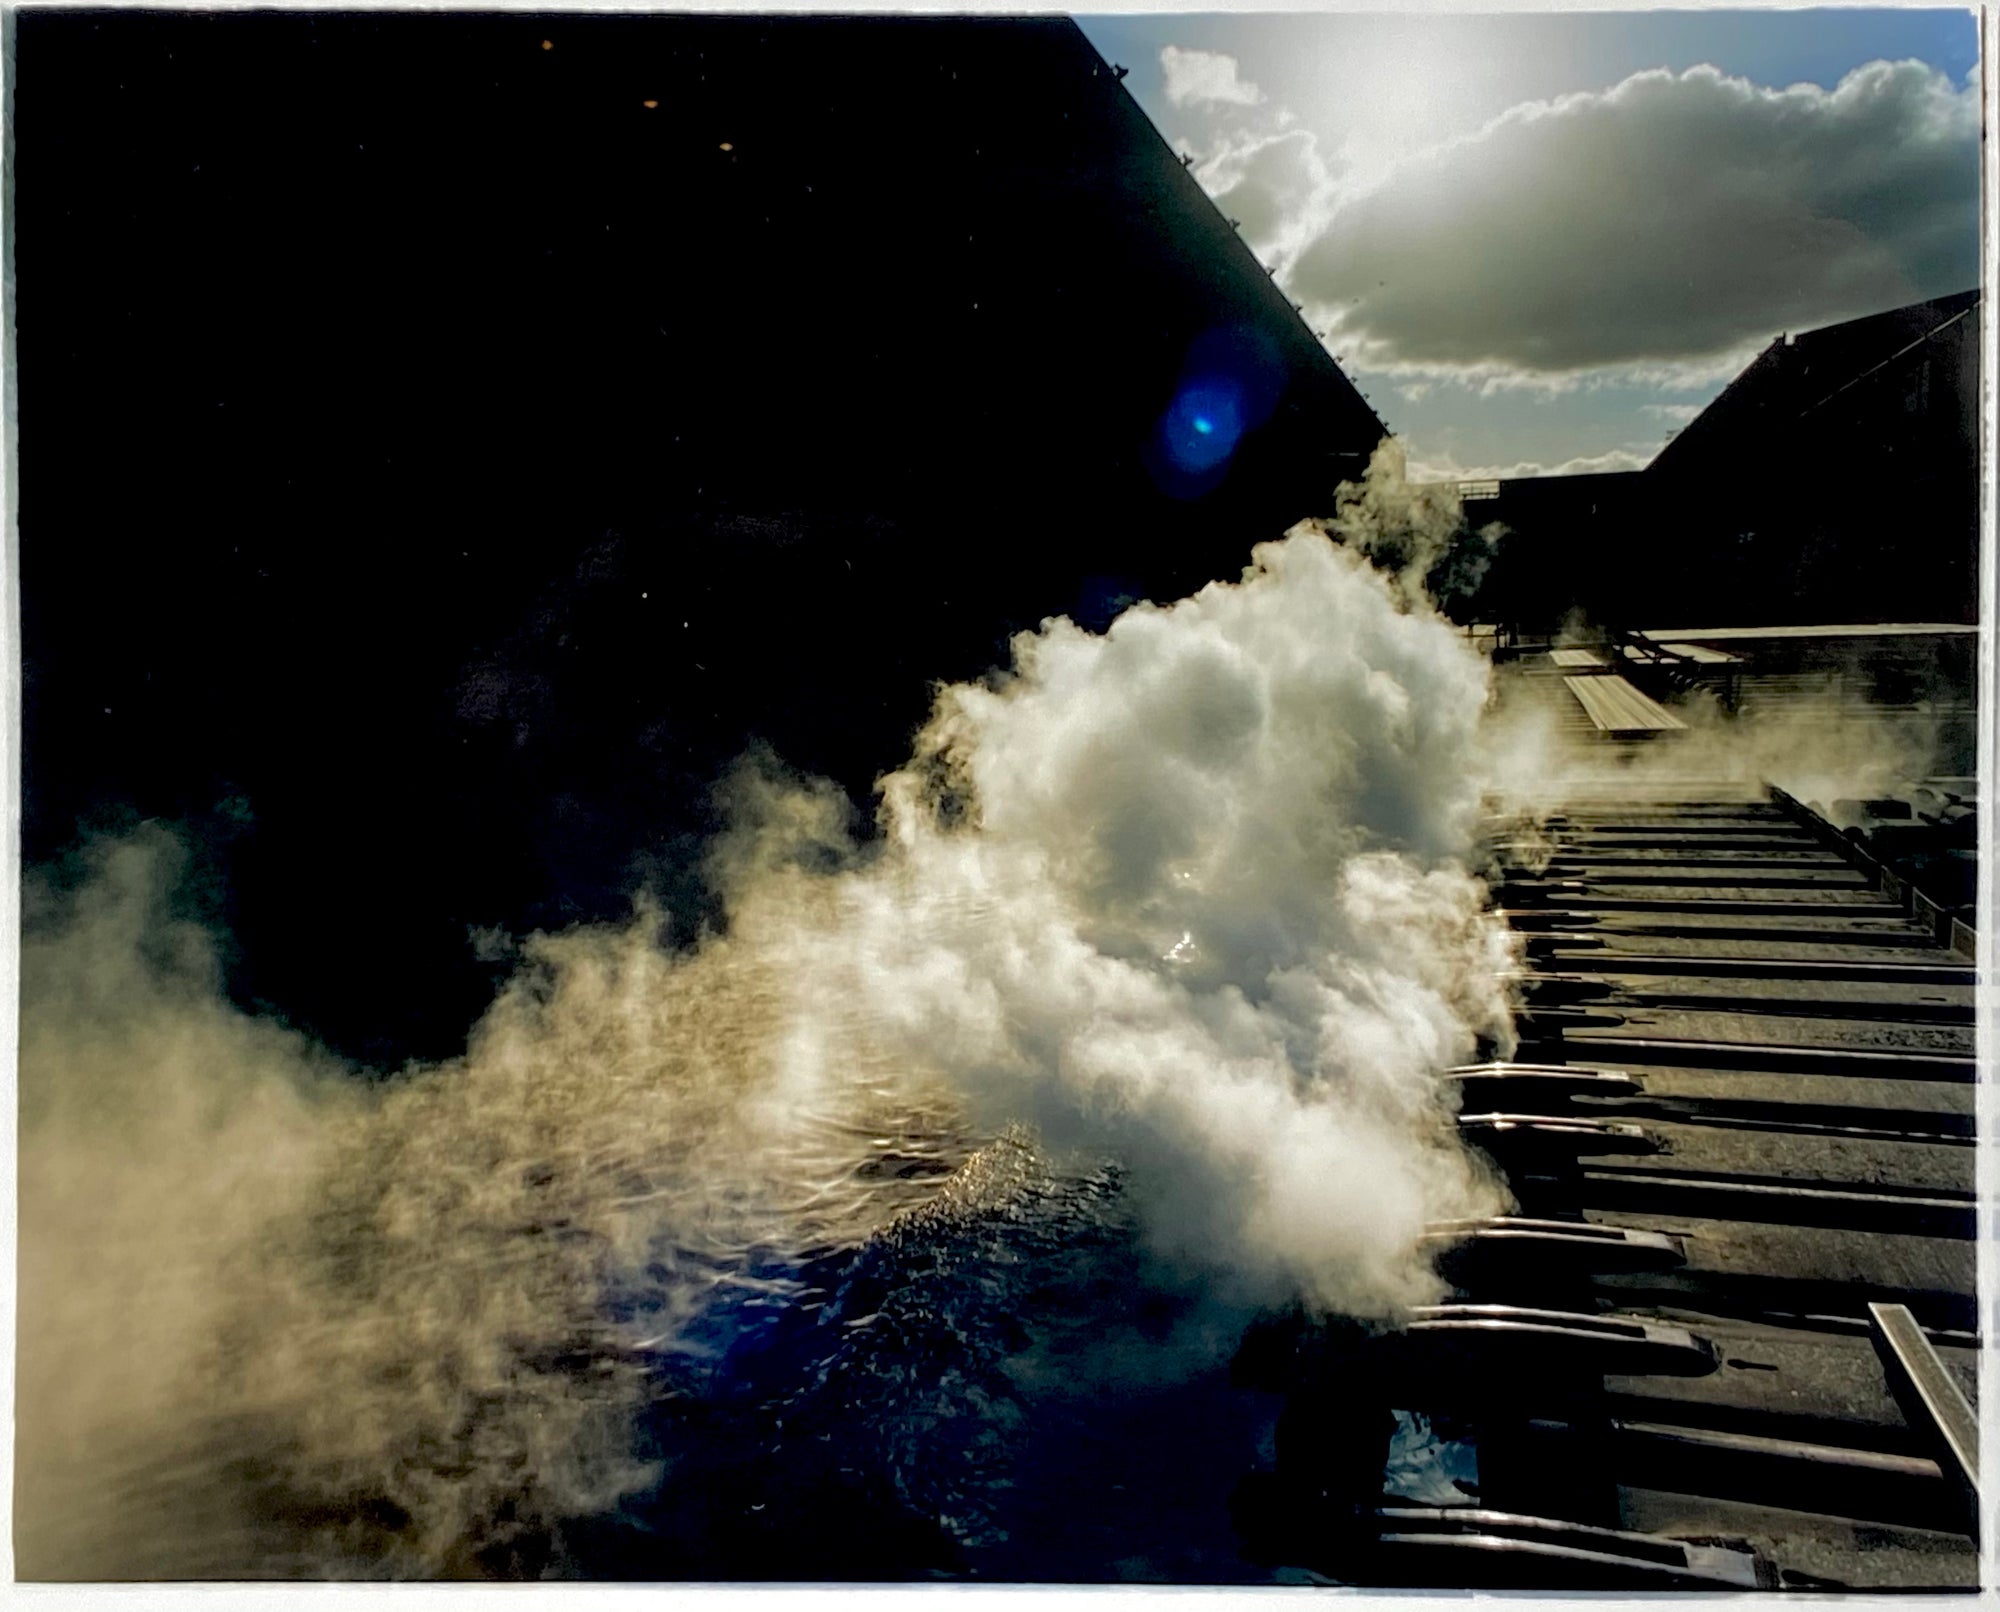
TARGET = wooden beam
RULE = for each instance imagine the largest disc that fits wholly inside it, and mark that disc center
(1615, 706)
(1703, 655)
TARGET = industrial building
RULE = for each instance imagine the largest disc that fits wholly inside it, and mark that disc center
(521, 415)
(1835, 480)
(455, 546)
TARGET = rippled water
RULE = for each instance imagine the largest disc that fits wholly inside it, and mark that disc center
(999, 1385)
(795, 1248)
(993, 1386)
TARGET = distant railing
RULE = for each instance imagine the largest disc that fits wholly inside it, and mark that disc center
(1677, 669)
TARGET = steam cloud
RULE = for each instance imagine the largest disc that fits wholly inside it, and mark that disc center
(1416, 534)
(1838, 744)
(1190, 894)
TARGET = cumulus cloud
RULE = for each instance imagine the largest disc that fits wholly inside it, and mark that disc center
(1201, 77)
(1668, 219)
(1675, 414)
(1589, 464)
(1270, 184)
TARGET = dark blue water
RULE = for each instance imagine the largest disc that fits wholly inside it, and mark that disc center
(999, 1386)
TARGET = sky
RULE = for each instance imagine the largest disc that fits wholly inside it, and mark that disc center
(1543, 243)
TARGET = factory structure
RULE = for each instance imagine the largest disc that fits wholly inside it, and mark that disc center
(1835, 480)
(787, 368)
(1729, 1337)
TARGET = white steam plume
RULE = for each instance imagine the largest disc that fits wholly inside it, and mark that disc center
(1843, 746)
(1249, 945)
(1190, 894)
(1410, 530)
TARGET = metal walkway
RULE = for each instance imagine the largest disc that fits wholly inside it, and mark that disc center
(1729, 1336)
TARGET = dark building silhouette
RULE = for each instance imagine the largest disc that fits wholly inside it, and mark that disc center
(446, 440)
(1835, 480)
(1566, 537)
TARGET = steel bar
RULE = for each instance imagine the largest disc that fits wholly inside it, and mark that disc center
(1929, 1397)
(1873, 1063)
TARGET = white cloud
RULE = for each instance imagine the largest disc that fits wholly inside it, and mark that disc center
(1490, 379)
(1667, 224)
(1672, 413)
(1199, 77)
(1444, 469)
(1272, 185)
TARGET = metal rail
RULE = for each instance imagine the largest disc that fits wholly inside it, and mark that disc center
(1929, 1398)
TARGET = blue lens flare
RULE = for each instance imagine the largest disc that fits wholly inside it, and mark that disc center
(1203, 424)
(1229, 385)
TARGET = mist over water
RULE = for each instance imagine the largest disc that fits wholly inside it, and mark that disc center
(1124, 1021)
(1844, 746)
